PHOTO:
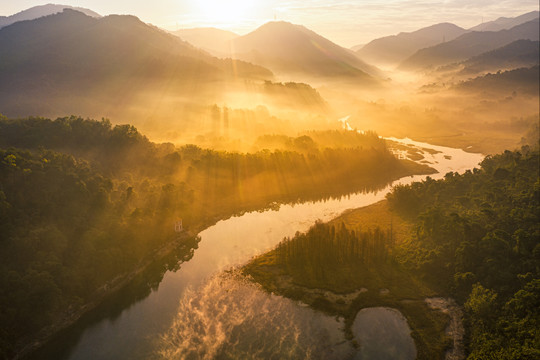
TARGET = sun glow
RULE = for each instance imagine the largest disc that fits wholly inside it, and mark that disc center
(224, 11)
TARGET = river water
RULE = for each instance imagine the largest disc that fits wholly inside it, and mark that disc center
(204, 311)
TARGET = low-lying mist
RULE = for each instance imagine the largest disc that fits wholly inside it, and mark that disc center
(487, 114)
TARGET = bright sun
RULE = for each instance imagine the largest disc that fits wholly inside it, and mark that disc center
(224, 11)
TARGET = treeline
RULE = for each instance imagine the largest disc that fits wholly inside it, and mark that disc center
(115, 150)
(325, 257)
(83, 201)
(323, 245)
(312, 141)
(302, 172)
(478, 237)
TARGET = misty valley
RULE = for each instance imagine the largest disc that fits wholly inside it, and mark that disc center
(200, 194)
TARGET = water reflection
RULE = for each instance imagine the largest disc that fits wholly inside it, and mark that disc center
(383, 334)
(231, 318)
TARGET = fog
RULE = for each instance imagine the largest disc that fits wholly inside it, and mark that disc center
(426, 107)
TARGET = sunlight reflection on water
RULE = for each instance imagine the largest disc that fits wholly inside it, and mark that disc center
(233, 318)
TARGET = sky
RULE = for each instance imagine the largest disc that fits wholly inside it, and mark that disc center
(347, 23)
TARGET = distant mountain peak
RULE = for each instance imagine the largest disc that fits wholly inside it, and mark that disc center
(41, 11)
(295, 50)
(280, 26)
(276, 23)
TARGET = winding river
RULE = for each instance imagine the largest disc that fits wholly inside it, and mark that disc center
(204, 311)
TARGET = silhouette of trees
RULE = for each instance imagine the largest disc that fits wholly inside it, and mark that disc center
(324, 245)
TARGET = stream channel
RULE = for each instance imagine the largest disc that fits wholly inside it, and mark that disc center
(203, 311)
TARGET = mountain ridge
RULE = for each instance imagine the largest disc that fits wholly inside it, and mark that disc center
(520, 53)
(469, 45)
(507, 23)
(70, 54)
(40, 11)
(393, 49)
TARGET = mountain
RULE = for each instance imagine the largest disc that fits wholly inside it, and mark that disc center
(54, 61)
(209, 39)
(503, 23)
(294, 50)
(391, 50)
(520, 53)
(469, 45)
(40, 11)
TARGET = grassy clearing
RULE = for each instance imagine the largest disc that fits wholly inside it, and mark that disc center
(376, 215)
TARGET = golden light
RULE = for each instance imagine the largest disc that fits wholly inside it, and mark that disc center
(224, 11)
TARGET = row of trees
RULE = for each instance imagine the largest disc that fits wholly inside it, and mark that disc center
(324, 244)
(478, 235)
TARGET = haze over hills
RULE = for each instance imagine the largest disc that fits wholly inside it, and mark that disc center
(40, 11)
(520, 53)
(297, 51)
(391, 50)
(110, 58)
(469, 45)
(210, 39)
(506, 23)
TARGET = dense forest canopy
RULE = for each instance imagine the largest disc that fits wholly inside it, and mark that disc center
(478, 237)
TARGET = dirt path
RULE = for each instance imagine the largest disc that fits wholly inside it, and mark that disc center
(455, 329)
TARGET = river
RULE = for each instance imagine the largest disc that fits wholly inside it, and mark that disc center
(204, 311)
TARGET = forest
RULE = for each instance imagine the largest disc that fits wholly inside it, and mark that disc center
(477, 238)
(83, 202)
(335, 248)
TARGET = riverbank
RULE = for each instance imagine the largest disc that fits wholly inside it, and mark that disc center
(184, 243)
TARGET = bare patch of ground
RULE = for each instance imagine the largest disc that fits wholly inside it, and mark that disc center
(455, 328)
